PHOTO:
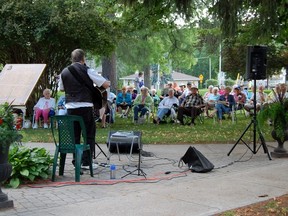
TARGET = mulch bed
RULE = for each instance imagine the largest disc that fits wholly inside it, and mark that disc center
(277, 206)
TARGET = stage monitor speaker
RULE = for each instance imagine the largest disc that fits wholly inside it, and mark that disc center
(256, 62)
(196, 161)
(125, 146)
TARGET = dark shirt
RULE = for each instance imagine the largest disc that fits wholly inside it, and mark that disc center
(193, 100)
(229, 99)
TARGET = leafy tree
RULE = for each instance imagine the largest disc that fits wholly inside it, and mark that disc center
(183, 7)
(252, 23)
(154, 37)
(47, 31)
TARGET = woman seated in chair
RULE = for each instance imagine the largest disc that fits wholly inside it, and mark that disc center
(165, 106)
(239, 97)
(45, 108)
(142, 104)
(211, 102)
(225, 104)
(124, 102)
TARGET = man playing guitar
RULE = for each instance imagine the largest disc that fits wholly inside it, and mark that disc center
(79, 98)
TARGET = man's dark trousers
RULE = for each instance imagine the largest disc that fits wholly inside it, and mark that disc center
(87, 115)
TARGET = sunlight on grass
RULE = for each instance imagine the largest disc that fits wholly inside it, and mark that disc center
(208, 132)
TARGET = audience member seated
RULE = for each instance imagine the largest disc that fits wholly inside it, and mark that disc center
(186, 92)
(224, 104)
(222, 90)
(134, 95)
(261, 98)
(211, 102)
(44, 107)
(107, 112)
(61, 106)
(245, 91)
(156, 98)
(180, 90)
(165, 106)
(209, 91)
(124, 102)
(191, 106)
(129, 89)
(164, 92)
(142, 105)
(176, 89)
(239, 97)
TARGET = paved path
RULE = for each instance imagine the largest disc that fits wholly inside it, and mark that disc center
(230, 185)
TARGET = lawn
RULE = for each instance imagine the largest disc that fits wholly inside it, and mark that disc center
(207, 132)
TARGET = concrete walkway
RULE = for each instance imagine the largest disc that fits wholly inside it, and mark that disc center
(237, 180)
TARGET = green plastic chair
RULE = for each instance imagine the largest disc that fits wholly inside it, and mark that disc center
(66, 143)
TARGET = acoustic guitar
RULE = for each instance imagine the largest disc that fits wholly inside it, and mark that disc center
(101, 97)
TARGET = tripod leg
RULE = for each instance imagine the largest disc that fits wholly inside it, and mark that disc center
(263, 143)
(140, 171)
(101, 151)
(240, 138)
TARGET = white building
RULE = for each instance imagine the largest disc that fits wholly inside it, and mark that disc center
(179, 78)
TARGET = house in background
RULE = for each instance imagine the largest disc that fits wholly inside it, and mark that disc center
(179, 78)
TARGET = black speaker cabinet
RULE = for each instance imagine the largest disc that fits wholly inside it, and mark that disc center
(125, 146)
(256, 62)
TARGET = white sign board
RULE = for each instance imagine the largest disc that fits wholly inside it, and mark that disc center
(17, 82)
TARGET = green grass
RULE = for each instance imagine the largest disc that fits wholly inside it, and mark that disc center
(208, 132)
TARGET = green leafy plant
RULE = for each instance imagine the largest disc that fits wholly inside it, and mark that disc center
(277, 112)
(28, 164)
(8, 134)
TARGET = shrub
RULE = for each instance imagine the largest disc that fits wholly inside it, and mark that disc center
(229, 82)
(211, 82)
(28, 164)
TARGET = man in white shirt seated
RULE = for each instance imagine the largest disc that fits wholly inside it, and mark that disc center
(165, 106)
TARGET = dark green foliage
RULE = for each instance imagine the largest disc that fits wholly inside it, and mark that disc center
(212, 82)
(47, 31)
(184, 7)
(8, 134)
(229, 82)
(28, 165)
(278, 113)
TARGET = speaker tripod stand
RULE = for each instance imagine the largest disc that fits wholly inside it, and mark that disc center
(139, 171)
(101, 151)
(256, 130)
(110, 115)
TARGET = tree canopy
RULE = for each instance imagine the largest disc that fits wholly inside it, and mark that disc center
(44, 31)
(136, 34)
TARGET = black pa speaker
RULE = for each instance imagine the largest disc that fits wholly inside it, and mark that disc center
(196, 161)
(124, 145)
(256, 62)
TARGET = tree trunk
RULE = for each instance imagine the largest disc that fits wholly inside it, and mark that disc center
(147, 82)
(109, 70)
